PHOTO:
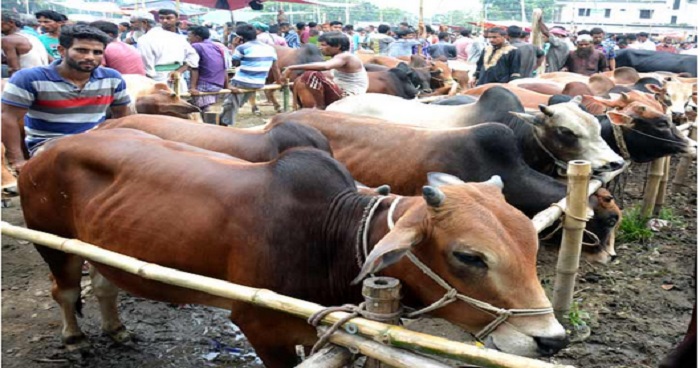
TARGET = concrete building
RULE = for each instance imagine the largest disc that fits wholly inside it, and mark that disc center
(620, 16)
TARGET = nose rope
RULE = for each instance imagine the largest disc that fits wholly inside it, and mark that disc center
(452, 295)
(620, 141)
(656, 138)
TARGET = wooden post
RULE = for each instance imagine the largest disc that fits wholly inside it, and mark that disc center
(680, 179)
(176, 84)
(578, 173)
(285, 95)
(332, 356)
(382, 297)
(655, 174)
(536, 37)
(661, 195)
(421, 27)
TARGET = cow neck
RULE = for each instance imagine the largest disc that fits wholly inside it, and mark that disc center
(362, 239)
(539, 157)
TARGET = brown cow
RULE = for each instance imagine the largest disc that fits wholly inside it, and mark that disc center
(530, 100)
(289, 225)
(250, 145)
(151, 97)
(8, 179)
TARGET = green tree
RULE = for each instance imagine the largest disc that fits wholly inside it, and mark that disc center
(510, 9)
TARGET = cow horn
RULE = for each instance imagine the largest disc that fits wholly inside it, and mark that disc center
(383, 190)
(173, 94)
(433, 196)
(546, 110)
(495, 181)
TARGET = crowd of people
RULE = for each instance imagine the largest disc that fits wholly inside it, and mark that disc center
(164, 48)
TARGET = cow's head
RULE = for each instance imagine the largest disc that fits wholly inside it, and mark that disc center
(570, 133)
(405, 76)
(675, 95)
(481, 246)
(440, 74)
(650, 134)
(420, 78)
(163, 101)
(606, 218)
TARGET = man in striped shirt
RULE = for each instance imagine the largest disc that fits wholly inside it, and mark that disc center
(256, 60)
(69, 96)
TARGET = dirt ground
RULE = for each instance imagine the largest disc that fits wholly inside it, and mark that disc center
(634, 320)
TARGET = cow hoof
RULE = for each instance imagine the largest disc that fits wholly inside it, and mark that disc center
(279, 109)
(120, 335)
(6, 203)
(76, 343)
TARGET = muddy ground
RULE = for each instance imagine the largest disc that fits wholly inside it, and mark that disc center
(634, 319)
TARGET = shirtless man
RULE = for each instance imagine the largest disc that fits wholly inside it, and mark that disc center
(20, 51)
(349, 76)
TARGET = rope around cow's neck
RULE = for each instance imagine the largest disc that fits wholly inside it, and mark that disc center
(560, 165)
(620, 141)
(451, 295)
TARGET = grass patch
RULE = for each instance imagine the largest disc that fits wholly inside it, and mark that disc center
(577, 316)
(633, 227)
(668, 215)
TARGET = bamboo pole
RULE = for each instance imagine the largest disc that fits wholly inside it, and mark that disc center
(653, 180)
(536, 36)
(267, 87)
(578, 173)
(383, 299)
(421, 27)
(549, 216)
(391, 356)
(392, 335)
(680, 179)
(661, 195)
(285, 95)
(331, 356)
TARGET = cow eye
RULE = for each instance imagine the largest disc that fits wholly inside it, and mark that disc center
(566, 132)
(661, 124)
(470, 259)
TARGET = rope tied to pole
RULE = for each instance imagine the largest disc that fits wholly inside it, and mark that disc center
(560, 225)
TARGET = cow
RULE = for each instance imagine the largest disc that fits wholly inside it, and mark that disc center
(290, 225)
(456, 100)
(151, 97)
(675, 95)
(250, 145)
(394, 82)
(8, 178)
(422, 75)
(415, 78)
(548, 139)
(377, 153)
(531, 100)
(652, 61)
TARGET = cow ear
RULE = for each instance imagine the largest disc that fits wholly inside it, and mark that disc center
(495, 181)
(546, 110)
(654, 88)
(161, 87)
(403, 66)
(577, 100)
(530, 119)
(618, 118)
(389, 250)
(438, 179)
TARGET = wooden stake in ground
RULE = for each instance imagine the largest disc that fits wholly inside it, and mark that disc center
(661, 195)
(383, 302)
(680, 179)
(578, 174)
(656, 173)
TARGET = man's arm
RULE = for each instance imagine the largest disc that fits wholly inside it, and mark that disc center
(120, 111)
(514, 67)
(602, 63)
(276, 74)
(194, 79)
(333, 63)
(12, 135)
(11, 56)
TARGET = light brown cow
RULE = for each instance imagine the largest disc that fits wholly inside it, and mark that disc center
(151, 97)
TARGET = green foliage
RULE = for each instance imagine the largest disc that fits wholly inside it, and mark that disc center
(668, 215)
(510, 10)
(577, 316)
(633, 227)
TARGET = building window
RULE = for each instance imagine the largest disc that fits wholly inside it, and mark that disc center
(607, 13)
(674, 19)
(645, 14)
(676, 4)
(584, 12)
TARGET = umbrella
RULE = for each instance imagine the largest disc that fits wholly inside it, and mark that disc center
(234, 4)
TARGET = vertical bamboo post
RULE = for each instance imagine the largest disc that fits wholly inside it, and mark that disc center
(661, 195)
(578, 174)
(176, 84)
(383, 299)
(653, 180)
(680, 179)
(285, 95)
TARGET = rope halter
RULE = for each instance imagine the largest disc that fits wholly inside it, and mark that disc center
(451, 293)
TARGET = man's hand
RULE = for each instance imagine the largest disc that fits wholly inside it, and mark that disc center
(194, 91)
(286, 73)
(17, 166)
(471, 83)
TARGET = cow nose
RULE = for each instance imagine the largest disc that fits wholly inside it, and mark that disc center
(549, 346)
(616, 165)
(427, 90)
(613, 257)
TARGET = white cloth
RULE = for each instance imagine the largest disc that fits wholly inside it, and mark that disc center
(161, 47)
(646, 45)
(351, 83)
(37, 56)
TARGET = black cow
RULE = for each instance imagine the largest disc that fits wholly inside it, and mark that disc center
(420, 77)
(398, 81)
(646, 61)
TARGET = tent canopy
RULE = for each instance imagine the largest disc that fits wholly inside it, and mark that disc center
(234, 4)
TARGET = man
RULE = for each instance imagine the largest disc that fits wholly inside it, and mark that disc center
(290, 35)
(281, 16)
(603, 45)
(29, 25)
(51, 23)
(443, 50)
(256, 60)
(165, 54)
(135, 32)
(644, 43)
(556, 49)
(303, 32)
(168, 19)
(21, 51)
(335, 26)
(124, 28)
(530, 55)
(183, 27)
(667, 46)
(75, 95)
(275, 34)
(119, 56)
(585, 59)
(314, 32)
(210, 75)
(405, 44)
(349, 31)
(381, 40)
(463, 44)
(349, 74)
(632, 43)
(262, 34)
(499, 63)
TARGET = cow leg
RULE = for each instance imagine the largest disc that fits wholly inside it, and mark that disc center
(270, 94)
(106, 294)
(274, 335)
(66, 272)
(253, 104)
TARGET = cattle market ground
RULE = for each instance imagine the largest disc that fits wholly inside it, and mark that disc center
(635, 321)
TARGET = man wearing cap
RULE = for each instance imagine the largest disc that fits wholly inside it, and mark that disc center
(643, 42)
(585, 59)
(555, 48)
